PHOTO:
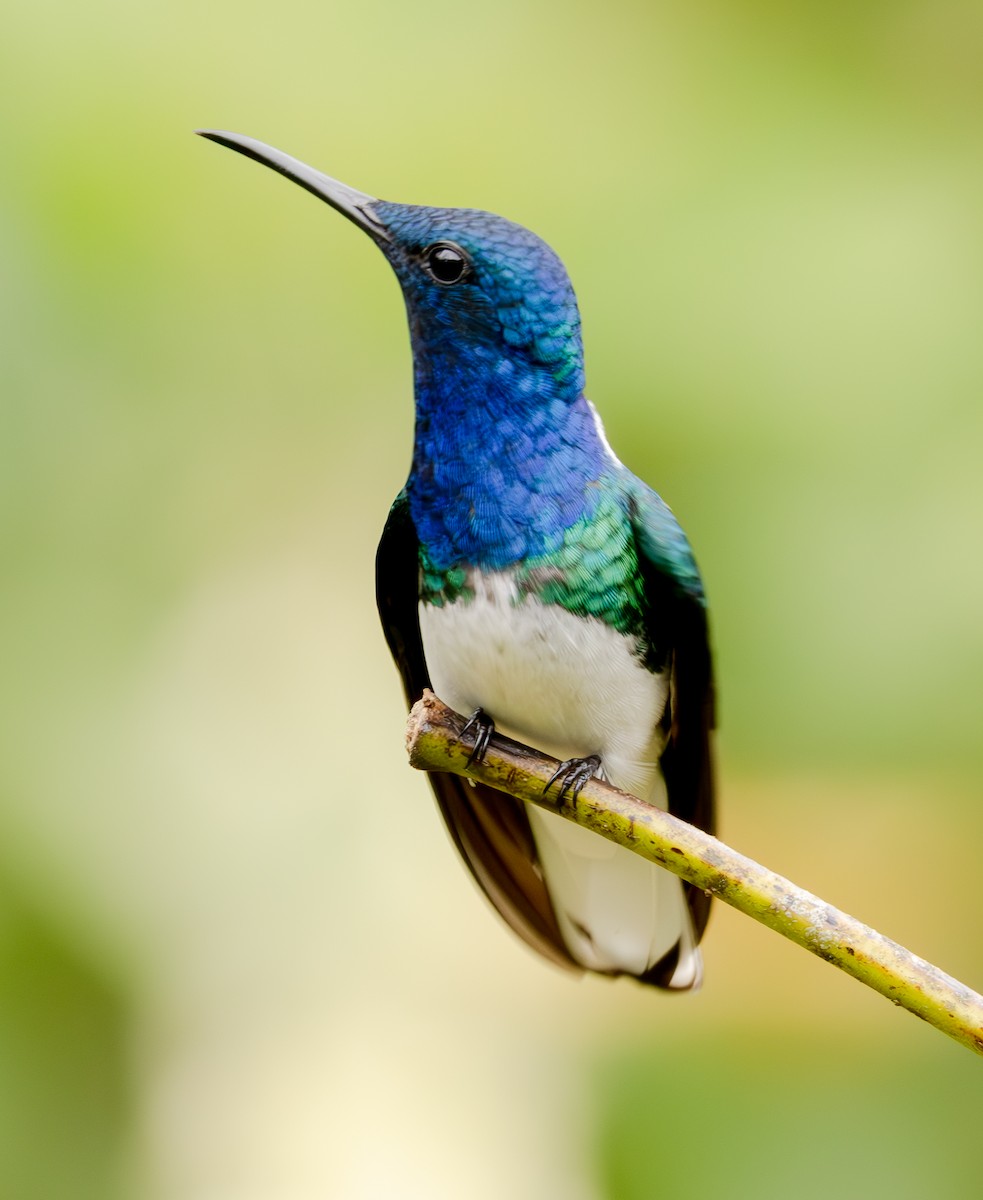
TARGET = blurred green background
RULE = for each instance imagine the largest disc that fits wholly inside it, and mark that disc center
(238, 960)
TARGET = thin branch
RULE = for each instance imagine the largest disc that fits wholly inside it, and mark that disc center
(433, 743)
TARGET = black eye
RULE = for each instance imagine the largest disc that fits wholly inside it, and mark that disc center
(445, 262)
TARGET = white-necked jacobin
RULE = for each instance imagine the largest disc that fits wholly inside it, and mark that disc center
(533, 582)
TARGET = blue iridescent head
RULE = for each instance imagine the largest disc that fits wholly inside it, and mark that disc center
(475, 283)
(482, 294)
(507, 451)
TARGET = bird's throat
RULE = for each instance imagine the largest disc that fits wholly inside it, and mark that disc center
(504, 463)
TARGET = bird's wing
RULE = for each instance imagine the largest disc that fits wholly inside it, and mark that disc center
(490, 829)
(677, 632)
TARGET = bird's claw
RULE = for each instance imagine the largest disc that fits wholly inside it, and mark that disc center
(572, 776)
(483, 727)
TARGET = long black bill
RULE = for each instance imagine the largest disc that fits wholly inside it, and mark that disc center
(355, 205)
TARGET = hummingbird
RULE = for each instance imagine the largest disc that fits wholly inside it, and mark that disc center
(537, 586)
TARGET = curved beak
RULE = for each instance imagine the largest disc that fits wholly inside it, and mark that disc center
(355, 205)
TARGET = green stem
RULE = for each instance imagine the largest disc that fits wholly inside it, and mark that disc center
(432, 737)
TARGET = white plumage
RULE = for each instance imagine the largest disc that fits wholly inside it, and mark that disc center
(571, 686)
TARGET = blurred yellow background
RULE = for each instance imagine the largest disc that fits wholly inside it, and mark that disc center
(238, 959)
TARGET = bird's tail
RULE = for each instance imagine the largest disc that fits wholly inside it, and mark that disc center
(618, 913)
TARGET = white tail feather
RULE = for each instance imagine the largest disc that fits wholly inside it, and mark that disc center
(617, 912)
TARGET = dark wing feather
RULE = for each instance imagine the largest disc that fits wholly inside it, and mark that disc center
(490, 829)
(677, 631)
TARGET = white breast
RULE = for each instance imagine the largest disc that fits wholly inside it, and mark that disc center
(571, 686)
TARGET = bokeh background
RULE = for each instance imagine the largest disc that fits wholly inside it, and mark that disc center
(238, 959)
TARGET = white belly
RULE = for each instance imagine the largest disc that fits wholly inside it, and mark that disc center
(571, 687)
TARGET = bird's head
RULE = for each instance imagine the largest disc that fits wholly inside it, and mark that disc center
(478, 289)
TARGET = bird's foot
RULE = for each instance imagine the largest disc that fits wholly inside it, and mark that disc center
(482, 727)
(572, 775)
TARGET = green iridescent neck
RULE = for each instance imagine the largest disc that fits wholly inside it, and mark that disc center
(593, 573)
